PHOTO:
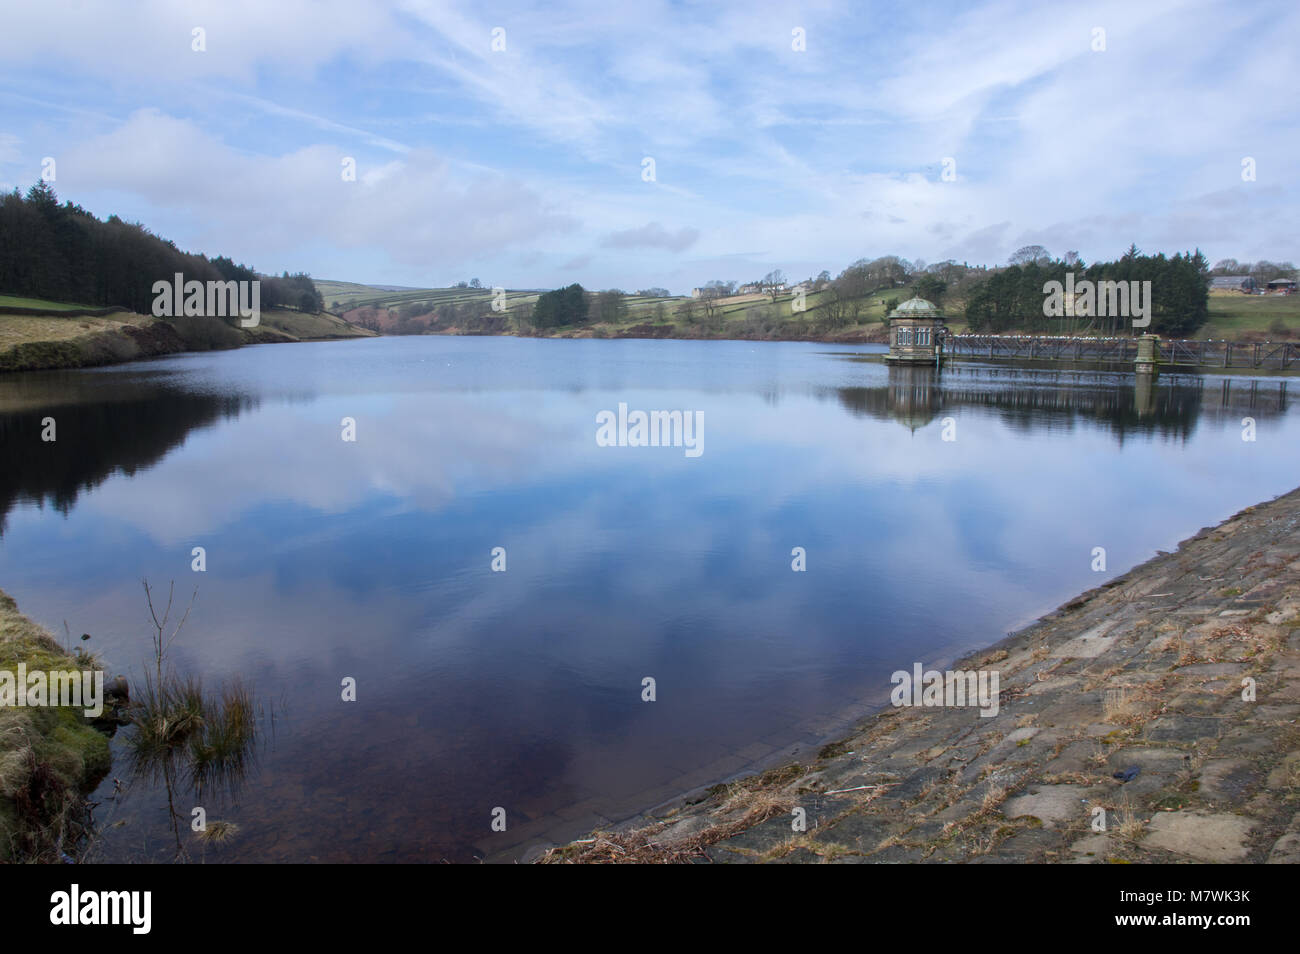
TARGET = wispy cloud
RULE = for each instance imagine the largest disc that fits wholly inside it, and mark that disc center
(524, 156)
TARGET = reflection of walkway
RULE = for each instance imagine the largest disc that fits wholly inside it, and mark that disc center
(1030, 397)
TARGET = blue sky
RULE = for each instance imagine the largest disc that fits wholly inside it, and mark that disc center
(524, 166)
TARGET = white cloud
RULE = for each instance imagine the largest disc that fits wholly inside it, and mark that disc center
(153, 39)
(818, 157)
(417, 208)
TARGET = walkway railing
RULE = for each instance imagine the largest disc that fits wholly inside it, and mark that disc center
(1279, 355)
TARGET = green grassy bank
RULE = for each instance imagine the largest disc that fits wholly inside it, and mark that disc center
(50, 756)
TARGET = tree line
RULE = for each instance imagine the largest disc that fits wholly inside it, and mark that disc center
(1006, 298)
(65, 253)
(1013, 298)
(843, 300)
(1262, 271)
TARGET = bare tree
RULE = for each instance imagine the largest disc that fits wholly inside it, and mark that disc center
(1030, 254)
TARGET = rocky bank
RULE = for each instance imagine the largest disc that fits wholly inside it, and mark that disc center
(1153, 719)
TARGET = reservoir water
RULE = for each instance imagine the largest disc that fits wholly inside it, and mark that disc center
(933, 512)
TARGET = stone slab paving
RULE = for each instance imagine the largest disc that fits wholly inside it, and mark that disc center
(1153, 719)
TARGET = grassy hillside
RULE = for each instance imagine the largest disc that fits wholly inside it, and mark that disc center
(72, 340)
(1234, 316)
(741, 316)
(13, 301)
(68, 338)
(344, 294)
(307, 327)
(17, 329)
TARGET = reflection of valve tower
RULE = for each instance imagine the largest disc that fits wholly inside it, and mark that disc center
(916, 333)
(1144, 394)
(913, 394)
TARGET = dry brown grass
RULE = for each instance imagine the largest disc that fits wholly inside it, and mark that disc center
(1099, 754)
(1130, 827)
(739, 806)
(640, 847)
(16, 329)
(1292, 776)
(1127, 707)
(993, 798)
(1097, 680)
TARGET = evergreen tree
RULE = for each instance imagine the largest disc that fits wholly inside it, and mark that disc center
(64, 253)
(564, 306)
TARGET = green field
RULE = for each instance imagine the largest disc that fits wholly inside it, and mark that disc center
(12, 301)
(1234, 315)
(345, 294)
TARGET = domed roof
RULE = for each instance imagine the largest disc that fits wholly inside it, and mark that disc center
(916, 308)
